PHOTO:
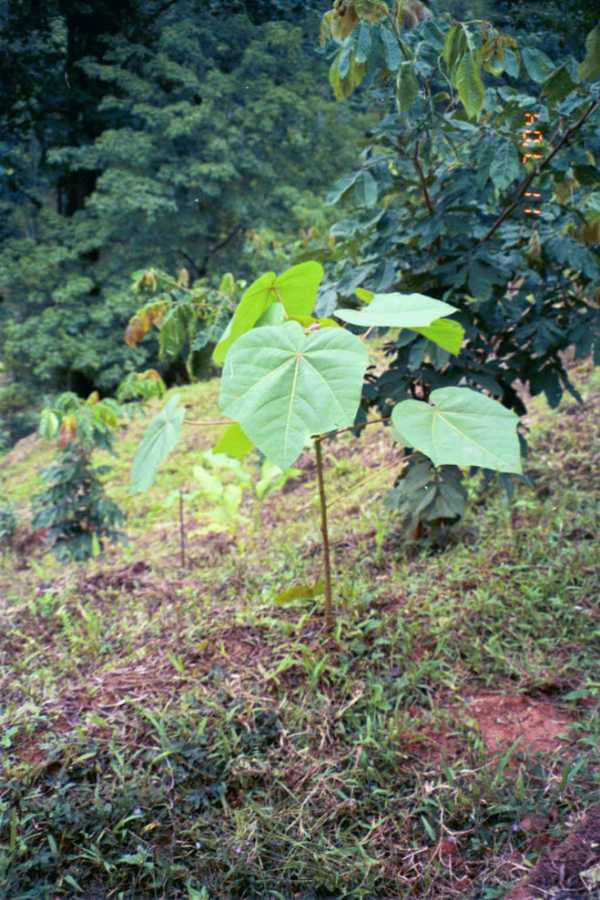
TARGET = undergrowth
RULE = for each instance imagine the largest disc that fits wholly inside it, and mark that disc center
(195, 733)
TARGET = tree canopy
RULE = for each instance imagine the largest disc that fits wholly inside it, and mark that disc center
(165, 134)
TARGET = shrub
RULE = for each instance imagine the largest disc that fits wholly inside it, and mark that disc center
(74, 508)
(8, 524)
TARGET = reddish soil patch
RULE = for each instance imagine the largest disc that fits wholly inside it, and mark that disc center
(559, 872)
(503, 719)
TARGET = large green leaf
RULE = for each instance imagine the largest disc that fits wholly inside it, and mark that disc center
(274, 315)
(460, 427)
(297, 288)
(446, 333)
(160, 438)
(256, 300)
(283, 386)
(590, 67)
(469, 84)
(397, 311)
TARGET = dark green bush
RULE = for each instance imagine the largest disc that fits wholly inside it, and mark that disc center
(74, 508)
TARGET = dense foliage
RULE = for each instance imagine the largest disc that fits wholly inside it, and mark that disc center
(175, 135)
(478, 187)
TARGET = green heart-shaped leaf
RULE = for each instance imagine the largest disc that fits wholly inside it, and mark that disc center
(397, 311)
(460, 427)
(283, 386)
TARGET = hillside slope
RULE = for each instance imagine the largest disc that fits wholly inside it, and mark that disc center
(194, 732)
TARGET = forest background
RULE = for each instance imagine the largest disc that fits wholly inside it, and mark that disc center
(185, 135)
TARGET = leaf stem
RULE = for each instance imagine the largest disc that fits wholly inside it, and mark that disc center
(182, 531)
(329, 618)
(361, 484)
(210, 423)
(354, 427)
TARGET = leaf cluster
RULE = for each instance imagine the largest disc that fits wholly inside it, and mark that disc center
(449, 204)
(89, 423)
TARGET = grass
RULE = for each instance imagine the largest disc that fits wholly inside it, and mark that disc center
(195, 733)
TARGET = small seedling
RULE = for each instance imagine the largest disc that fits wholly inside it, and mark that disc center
(290, 380)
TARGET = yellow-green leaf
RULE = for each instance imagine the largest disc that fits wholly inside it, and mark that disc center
(470, 85)
(255, 301)
(235, 442)
(446, 333)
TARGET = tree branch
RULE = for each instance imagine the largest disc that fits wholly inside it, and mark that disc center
(537, 171)
(195, 273)
(419, 168)
(226, 240)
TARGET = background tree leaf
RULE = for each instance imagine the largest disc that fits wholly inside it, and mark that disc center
(341, 188)
(538, 66)
(407, 87)
(470, 85)
(363, 43)
(391, 49)
(365, 189)
(559, 85)
(506, 165)
(590, 67)
(455, 46)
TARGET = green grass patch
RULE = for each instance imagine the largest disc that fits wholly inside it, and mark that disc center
(195, 733)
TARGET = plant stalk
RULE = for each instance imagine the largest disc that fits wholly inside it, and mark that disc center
(329, 618)
(182, 532)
